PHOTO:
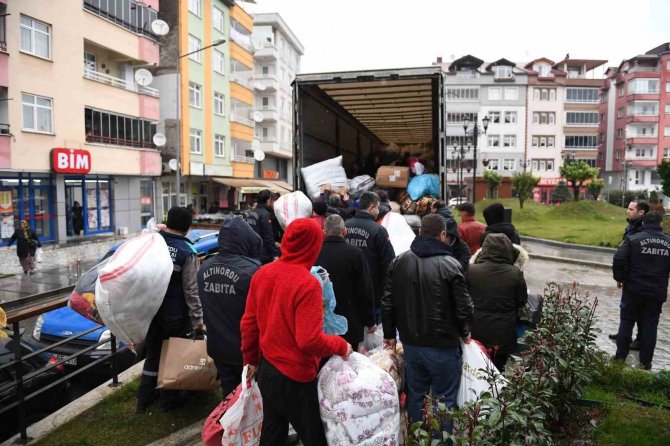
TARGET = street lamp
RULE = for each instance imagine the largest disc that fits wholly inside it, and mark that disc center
(476, 132)
(458, 154)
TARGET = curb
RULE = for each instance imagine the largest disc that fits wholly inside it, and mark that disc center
(187, 436)
(45, 426)
(568, 245)
(571, 261)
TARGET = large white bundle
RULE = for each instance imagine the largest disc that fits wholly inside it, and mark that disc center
(361, 183)
(358, 403)
(292, 206)
(400, 232)
(326, 172)
(131, 286)
(392, 362)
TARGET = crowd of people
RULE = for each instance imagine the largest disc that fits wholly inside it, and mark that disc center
(262, 307)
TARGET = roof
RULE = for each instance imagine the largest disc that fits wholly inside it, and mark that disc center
(276, 20)
(541, 59)
(468, 62)
(591, 64)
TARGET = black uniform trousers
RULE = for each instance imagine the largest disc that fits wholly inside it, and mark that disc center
(646, 312)
(286, 401)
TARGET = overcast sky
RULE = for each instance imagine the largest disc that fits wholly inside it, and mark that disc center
(342, 35)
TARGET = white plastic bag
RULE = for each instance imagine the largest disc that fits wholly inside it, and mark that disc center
(39, 255)
(131, 287)
(371, 341)
(292, 206)
(473, 380)
(243, 420)
(400, 232)
(358, 403)
(326, 172)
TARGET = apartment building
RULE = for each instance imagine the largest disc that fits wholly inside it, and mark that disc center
(634, 129)
(75, 128)
(277, 61)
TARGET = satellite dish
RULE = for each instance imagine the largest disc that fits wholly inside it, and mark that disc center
(258, 116)
(173, 164)
(143, 77)
(255, 144)
(259, 155)
(160, 27)
(259, 86)
(257, 45)
(159, 139)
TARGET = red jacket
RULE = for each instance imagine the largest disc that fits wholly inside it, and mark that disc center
(469, 231)
(283, 317)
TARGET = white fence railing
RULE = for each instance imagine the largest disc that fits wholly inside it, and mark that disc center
(118, 83)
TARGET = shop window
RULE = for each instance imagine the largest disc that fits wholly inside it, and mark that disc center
(146, 201)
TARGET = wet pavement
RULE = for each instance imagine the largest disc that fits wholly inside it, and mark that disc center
(598, 282)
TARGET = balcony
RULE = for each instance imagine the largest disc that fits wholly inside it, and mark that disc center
(268, 51)
(5, 147)
(129, 14)
(3, 29)
(119, 83)
(239, 117)
(267, 82)
(270, 114)
(243, 39)
(244, 159)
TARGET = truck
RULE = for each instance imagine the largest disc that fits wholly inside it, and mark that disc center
(357, 114)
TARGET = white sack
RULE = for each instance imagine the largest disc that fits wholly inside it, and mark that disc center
(131, 287)
(400, 232)
(473, 379)
(361, 183)
(326, 172)
(358, 403)
(292, 206)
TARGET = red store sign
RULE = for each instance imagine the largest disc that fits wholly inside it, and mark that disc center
(70, 161)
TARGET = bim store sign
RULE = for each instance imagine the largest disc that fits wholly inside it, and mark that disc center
(72, 161)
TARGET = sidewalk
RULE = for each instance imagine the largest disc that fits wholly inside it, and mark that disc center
(595, 256)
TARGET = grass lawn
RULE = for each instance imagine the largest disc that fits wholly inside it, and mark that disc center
(113, 422)
(582, 222)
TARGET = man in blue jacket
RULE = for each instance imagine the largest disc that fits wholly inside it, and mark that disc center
(223, 283)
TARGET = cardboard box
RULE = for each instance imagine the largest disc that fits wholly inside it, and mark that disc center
(392, 176)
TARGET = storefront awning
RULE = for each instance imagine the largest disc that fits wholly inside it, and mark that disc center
(253, 186)
(278, 186)
(239, 182)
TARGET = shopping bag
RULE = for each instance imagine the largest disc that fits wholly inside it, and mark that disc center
(332, 323)
(371, 340)
(473, 378)
(39, 255)
(243, 420)
(212, 431)
(185, 365)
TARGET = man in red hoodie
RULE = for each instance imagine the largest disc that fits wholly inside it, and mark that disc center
(283, 319)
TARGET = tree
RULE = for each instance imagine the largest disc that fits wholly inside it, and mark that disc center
(663, 170)
(577, 173)
(560, 193)
(493, 180)
(523, 184)
(595, 186)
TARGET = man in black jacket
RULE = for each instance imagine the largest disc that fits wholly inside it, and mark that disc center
(351, 280)
(260, 219)
(364, 233)
(494, 214)
(223, 283)
(459, 249)
(426, 298)
(642, 264)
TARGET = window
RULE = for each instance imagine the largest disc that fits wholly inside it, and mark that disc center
(462, 94)
(266, 103)
(219, 146)
(218, 62)
(493, 164)
(458, 118)
(666, 131)
(509, 141)
(35, 37)
(219, 104)
(619, 112)
(620, 90)
(544, 94)
(582, 118)
(509, 163)
(666, 152)
(194, 47)
(195, 7)
(129, 14)
(535, 141)
(588, 95)
(196, 141)
(667, 109)
(502, 72)
(194, 95)
(543, 164)
(552, 94)
(37, 113)
(544, 117)
(667, 65)
(495, 93)
(581, 141)
(667, 87)
(111, 129)
(642, 86)
(551, 141)
(218, 19)
(494, 117)
(510, 117)
(265, 70)
(619, 133)
(543, 70)
(494, 141)
(457, 140)
(511, 93)
(618, 154)
(642, 108)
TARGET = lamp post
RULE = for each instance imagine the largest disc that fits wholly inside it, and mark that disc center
(178, 114)
(476, 132)
(458, 154)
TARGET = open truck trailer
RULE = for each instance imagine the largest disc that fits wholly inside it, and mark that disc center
(357, 112)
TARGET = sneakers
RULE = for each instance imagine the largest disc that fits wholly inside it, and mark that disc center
(613, 336)
(643, 366)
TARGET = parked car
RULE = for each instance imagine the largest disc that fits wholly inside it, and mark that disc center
(40, 405)
(456, 201)
(56, 325)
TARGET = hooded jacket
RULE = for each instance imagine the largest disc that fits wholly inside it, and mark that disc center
(642, 263)
(364, 233)
(261, 220)
(634, 226)
(498, 290)
(494, 215)
(181, 300)
(223, 284)
(425, 297)
(352, 284)
(459, 249)
(283, 317)
(470, 231)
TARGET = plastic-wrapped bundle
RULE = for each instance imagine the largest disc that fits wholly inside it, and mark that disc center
(292, 206)
(326, 172)
(332, 323)
(358, 403)
(361, 183)
(400, 232)
(391, 362)
(82, 298)
(372, 341)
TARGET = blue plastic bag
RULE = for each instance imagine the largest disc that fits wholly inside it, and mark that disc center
(422, 185)
(332, 323)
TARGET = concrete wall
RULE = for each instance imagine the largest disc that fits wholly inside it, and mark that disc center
(127, 203)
